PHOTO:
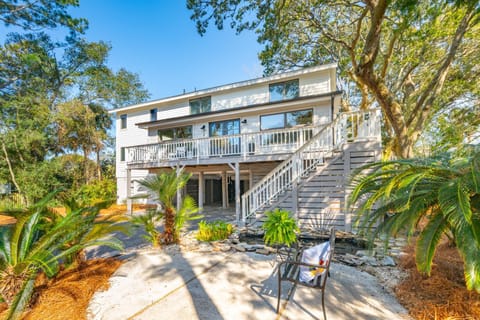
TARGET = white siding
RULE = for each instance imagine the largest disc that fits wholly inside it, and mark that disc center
(314, 84)
(240, 98)
(130, 136)
(176, 110)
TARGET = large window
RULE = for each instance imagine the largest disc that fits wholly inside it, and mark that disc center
(284, 90)
(286, 120)
(123, 121)
(201, 105)
(224, 128)
(175, 133)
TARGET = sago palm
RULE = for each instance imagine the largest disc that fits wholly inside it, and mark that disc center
(442, 193)
(165, 186)
(39, 241)
(94, 229)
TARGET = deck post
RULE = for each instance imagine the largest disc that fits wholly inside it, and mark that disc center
(129, 192)
(250, 179)
(224, 190)
(236, 168)
(201, 190)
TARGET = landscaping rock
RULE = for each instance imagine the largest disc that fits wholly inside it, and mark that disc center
(388, 262)
(369, 260)
(263, 251)
(365, 253)
(239, 248)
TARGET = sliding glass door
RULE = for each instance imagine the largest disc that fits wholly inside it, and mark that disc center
(222, 145)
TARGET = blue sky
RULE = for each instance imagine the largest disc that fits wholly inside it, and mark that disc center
(157, 40)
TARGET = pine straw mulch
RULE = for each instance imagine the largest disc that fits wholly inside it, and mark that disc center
(68, 295)
(443, 295)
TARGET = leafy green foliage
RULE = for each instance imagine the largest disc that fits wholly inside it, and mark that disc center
(41, 239)
(435, 196)
(148, 221)
(213, 231)
(414, 59)
(33, 14)
(188, 211)
(97, 191)
(165, 186)
(54, 97)
(280, 228)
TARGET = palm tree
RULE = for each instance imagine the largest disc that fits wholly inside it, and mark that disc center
(165, 186)
(435, 196)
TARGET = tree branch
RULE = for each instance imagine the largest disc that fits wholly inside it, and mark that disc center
(423, 105)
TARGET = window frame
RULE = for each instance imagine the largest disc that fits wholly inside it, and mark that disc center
(123, 121)
(203, 108)
(237, 124)
(175, 133)
(284, 92)
(122, 154)
(285, 122)
(153, 114)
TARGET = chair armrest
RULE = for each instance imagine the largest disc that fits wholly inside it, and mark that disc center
(303, 264)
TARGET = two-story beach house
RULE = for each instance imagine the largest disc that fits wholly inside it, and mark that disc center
(277, 141)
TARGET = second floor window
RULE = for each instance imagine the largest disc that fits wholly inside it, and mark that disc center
(284, 90)
(153, 114)
(201, 105)
(123, 121)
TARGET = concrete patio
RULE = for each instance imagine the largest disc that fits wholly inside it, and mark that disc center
(171, 284)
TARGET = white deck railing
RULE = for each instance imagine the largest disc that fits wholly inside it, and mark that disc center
(244, 145)
(346, 127)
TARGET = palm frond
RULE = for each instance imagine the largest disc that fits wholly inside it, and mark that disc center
(21, 300)
(428, 241)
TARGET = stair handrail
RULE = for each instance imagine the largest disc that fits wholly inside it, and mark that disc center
(296, 166)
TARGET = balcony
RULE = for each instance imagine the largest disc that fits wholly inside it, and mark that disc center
(250, 147)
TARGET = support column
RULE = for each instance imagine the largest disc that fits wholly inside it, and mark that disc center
(129, 191)
(236, 168)
(224, 190)
(250, 179)
(201, 190)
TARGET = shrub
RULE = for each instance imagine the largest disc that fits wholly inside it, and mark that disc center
(212, 231)
(148, 221)
(99, 190)
(280, 228)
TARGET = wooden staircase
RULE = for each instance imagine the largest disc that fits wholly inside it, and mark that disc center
(312, 182)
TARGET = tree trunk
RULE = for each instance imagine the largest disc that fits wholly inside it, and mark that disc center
(12, 174)
(86, 175)
(169, 234)
(99, 167)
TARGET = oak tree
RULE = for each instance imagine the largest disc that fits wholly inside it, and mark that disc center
(413, 59)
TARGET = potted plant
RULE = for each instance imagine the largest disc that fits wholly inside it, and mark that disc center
(280, 228)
